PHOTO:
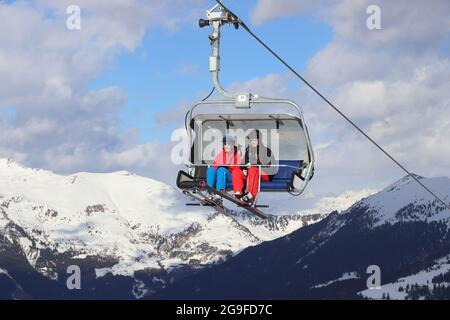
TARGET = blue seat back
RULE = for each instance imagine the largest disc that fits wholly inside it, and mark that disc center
(285, 173)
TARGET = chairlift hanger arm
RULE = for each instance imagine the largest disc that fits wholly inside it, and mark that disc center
(218, 16)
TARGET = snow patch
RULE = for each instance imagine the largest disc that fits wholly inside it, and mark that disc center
(345, 276)
(3, 271)
(139, 289)
(423, 278)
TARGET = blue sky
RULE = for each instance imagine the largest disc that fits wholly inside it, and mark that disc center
(171, 67)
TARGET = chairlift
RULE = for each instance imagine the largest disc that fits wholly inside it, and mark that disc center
(284, 130)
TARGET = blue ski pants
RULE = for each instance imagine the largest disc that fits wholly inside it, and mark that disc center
(219, 177)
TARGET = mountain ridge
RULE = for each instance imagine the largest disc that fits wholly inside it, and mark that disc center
(401, 229)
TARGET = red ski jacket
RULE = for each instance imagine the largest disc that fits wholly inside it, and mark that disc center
(223, 160)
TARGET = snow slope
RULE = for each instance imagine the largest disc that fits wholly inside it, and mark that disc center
(396, 290)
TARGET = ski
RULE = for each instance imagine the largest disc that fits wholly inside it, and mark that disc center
(204, 200)
(236, 201)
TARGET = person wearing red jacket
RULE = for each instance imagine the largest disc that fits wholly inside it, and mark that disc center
(225, 167)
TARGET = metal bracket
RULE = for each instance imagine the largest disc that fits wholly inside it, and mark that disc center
(218, 16)
(243, 100)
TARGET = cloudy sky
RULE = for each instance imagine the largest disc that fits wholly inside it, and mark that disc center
(108, 96)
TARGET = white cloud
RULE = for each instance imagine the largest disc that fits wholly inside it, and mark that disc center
(417, 26)
(45, 70)
(340, 202)
(394, 83)
(266, 10)
(272, 85)
(312, 203)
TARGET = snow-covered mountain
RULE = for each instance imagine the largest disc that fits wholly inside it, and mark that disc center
(134, 237)
(402, 229)
(124, 224)
(406, 200)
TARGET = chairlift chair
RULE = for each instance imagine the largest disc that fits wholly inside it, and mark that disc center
(242, 112)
